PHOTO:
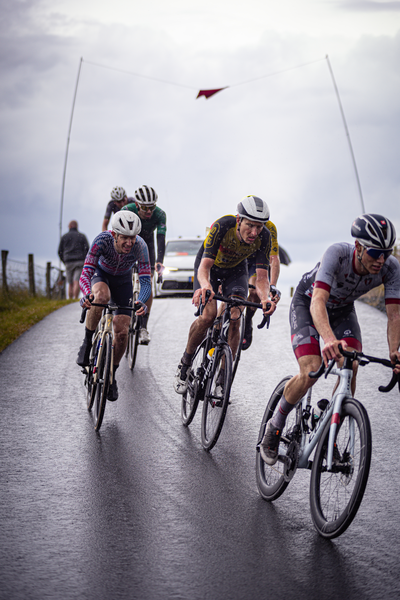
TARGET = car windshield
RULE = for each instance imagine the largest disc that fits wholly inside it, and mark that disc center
(183, 247)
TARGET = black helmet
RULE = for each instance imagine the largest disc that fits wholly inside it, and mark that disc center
(374, 231)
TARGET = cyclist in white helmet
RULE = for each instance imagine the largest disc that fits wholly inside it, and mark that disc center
(107, 274)
(323, 306)
(118, 200)
(222, 260)
(153, 218)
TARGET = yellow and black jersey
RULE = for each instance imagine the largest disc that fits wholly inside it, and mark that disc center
(274, 238)
(224, 247)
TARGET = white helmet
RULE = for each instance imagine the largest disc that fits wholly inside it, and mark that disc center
(118, 194)
(126, 222)
(254, 209)
(146, 195)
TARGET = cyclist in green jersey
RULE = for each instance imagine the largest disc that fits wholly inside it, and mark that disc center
(152, 218)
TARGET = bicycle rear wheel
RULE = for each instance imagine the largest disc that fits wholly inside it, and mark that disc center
(216, 398)
(336, 495)
(193, 394)
(103, 380)
(271, 481)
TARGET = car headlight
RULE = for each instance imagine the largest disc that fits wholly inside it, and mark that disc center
(168, 270)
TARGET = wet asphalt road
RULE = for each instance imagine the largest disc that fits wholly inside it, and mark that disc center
(141, 511)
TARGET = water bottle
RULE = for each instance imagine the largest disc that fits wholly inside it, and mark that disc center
(317, 411)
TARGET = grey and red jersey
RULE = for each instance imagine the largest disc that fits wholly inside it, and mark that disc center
(336, 273)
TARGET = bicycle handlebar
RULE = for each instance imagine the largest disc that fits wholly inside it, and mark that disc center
(235, 302)
(363, 359)
(111, 307)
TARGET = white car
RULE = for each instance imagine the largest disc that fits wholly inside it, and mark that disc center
(177, 278)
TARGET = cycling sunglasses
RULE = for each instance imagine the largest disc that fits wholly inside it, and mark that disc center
(376, 253)
(147, 208)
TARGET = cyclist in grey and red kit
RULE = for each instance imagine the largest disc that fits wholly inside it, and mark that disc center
(323, 305)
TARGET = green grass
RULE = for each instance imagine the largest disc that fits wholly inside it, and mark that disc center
(19, 311)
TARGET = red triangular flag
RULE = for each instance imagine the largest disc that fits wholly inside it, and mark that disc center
(209, 93)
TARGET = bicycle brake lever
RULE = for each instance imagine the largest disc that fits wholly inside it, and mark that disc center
(265, 321)
(83, 315)
(201, 307)
(266, 318)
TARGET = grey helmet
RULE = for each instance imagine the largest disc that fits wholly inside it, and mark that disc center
(118, 194)
(254, 209)
(126, 222)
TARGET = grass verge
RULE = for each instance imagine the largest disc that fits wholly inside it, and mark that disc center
(19, 311)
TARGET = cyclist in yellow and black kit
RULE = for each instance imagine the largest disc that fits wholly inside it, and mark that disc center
(222, 261)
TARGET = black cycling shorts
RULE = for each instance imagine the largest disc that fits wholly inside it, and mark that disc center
(121, 288)
(234, 281)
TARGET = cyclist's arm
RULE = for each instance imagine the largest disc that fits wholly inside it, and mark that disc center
(106, 221)
(393, 332)
(203, 277)
(160, 250)
(320, 319)
(275, 269)
(262, 290)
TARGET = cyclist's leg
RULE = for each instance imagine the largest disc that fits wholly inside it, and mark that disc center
(144, 337)
(252, 297)
(345, 326)
(235, 283)
(121, 329)
(196, 335)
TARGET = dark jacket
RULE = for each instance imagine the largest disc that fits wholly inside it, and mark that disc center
(73, 246)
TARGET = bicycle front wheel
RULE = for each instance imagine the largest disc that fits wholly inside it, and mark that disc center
(216, 398)
(336, 495)
(90, 385)
(271, 481)
(103, 380)
(193, 394)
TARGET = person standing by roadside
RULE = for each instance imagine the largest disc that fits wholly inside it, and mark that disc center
(72, 251)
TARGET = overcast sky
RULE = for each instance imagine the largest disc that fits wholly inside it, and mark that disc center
(276, 131)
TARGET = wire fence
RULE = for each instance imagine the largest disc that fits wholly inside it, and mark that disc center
(38, 280)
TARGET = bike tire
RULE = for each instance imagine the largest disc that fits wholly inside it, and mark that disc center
(271, 482)
(103, 375)
(216, 401)
(335, 496)
(192, 396)
(90, 384)
(239, 350)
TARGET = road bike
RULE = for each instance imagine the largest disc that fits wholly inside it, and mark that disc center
(340, 432)
(100, 371)
(211, 374)
(135, 322)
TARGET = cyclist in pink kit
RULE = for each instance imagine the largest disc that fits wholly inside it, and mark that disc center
(323, 305)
